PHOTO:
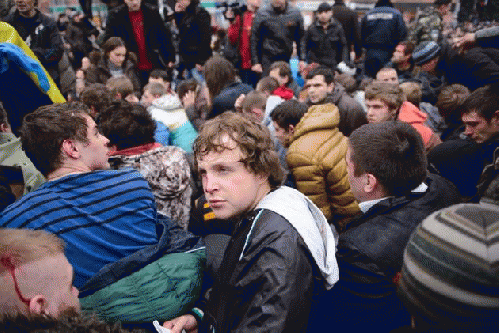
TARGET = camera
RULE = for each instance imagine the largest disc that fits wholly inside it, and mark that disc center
(235, 7)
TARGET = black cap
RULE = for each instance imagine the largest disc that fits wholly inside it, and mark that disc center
(324, 7)
(441, 2)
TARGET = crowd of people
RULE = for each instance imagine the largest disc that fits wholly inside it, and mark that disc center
(270, 177)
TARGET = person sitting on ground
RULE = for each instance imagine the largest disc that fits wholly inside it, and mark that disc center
(386, 165)
(121, 88)
(97, 98)
(102, 215)
(223, 85)
(386, 102)
(253, 105)
(194, 97)
(288, 88)
(166, 109)
(267, 85)
(130, 130)
(114, 61)
(449, 279)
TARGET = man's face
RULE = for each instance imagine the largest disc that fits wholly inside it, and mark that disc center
(478, 128)
(230, 189)
(147, 99)
(378, 111)
(95, 152)
(357, 183)
(133, 5)
(317, 89)
(399, 56)
(281, 79)
(388, 76)
(25, 6)
(325, 17)
(284, 136)
(430, 65)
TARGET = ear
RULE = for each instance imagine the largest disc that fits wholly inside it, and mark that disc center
(371, 182)
(5, 128)
(330, 87)
(69, 149)
(291, 129)
(117, 96)
(39, 305)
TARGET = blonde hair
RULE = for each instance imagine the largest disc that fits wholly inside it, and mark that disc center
(24, 245)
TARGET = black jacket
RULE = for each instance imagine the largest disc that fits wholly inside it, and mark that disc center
(327, 48)
(42, 37)
(274, 283)
(194, 36)
(370, 255)
(273, 33)
(382, 28)
(350, 23)
(159, 45)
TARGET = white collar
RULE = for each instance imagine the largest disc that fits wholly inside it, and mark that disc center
(366, 205)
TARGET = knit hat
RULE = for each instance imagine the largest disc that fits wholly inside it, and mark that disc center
(425, 52)
(450, 276)
(324, 7)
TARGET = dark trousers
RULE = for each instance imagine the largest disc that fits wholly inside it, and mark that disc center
(249, 77)
(375, 60)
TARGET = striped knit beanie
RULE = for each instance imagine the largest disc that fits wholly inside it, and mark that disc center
(450, 276)
(425, 52)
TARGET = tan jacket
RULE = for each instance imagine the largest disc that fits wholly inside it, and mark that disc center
(316, 157)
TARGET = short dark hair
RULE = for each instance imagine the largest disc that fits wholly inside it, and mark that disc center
(161, 74)
(288, 113)
(127, 125)
(324, 71)
(267, 83)
(393, 152)
(251, 137)
(44, 130)
(284, 70)
(185, 86)
(96, 95)
(483, 101)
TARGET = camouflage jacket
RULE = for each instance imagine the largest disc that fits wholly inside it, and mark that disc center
(168, 173)
(428, 27)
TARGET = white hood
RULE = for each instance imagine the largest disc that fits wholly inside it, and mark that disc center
(312, 226)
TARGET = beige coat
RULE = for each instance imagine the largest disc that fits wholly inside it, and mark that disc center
(316, 157)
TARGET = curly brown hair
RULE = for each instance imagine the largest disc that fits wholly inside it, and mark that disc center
(252, 138)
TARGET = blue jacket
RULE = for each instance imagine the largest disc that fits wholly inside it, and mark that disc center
(227, 98)
(383, 28)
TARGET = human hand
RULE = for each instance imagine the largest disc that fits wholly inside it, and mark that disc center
(189, 98)
(199, 67)
(186, 322)
(239, 102)
(257, 68)
(465, 42)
